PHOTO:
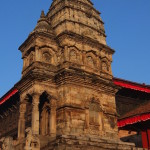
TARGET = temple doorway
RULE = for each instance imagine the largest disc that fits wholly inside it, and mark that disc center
(44, 109)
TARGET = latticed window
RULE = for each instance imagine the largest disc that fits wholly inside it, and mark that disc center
(94, 113)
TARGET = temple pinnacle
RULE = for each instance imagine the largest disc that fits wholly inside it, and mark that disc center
(42, 14)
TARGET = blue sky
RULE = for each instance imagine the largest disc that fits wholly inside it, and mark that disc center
(127, 25)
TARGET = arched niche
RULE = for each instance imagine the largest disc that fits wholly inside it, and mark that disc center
(48, 55)
(44, 111)
(104, 65)
(94, 110)
(74, 54)
(91, 59)
(47, 114)
(94, 116)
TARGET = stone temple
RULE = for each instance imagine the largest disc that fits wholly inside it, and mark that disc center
(65, 99)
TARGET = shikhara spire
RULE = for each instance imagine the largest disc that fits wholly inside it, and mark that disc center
(77, 17)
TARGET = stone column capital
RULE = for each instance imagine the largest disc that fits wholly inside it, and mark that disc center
(35, 98)
(50, 97)
(35, 94)
(22, 108)
(53, 104)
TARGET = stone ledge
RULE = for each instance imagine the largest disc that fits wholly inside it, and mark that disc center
(73, 142)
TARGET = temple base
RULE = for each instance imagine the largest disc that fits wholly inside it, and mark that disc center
(72, 142)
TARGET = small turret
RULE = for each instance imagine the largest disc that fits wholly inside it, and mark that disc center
(78, 17)
(43, 25)
(37, 47)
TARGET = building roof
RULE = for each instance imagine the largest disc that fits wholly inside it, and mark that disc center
(139, 114)
(142, 111)
(131, 85)
(139, 110)
(133, 120)
(7, 96)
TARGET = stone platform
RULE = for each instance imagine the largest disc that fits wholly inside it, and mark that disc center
(72, 142)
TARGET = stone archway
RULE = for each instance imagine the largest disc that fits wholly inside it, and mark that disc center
(45, 120)
(47, 111)
(44, 110)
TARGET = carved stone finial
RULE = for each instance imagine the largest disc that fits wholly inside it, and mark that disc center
(42, 14)
(43, 25)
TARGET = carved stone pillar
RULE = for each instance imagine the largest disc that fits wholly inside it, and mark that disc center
(37, 54)
(21, 123)
(53, 117)
(42, 124)
(35, 114)
(66, 54)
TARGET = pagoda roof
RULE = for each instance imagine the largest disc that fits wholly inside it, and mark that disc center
(131, 85)
(139, 114)
(143, 108)
(8, 95)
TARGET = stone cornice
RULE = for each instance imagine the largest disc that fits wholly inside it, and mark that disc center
(86, 40)
(85, 79)
(71, 76)
(101, 32)
(33, 36)
(40, 66)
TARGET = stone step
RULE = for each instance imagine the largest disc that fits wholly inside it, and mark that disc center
(44, 140)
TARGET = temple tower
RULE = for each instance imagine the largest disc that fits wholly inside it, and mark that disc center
(67, 93)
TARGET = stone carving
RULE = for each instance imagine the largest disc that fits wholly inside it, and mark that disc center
(47, 57)
(60, 56)
(7, 143)
(73, 55)
(94, 116)
(94, 113)
(104, 66)
(32, 141)
(31, 58)
(90, 61)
